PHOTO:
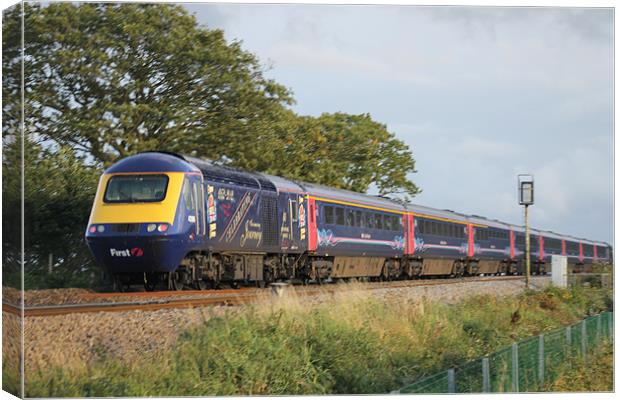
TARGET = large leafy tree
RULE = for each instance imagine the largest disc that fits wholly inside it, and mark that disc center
(115, 79)
(345, 151)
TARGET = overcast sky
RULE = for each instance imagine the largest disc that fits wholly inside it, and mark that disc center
(479, 94)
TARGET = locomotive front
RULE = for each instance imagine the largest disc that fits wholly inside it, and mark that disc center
(146, 215)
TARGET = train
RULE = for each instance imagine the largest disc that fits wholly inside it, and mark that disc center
(174, 221)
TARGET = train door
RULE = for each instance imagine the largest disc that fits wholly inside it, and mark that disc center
(595, 252)
(409, 230)
(294, 219)
(541, 248)
(563, 247)
(470, 240)
(312, 232)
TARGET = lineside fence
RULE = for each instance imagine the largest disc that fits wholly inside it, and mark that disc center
(523, 367)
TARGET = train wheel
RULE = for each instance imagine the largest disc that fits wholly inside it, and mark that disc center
(201, 284)
(119, 285)
(174, 282)
(150, 282)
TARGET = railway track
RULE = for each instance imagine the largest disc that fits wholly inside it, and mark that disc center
(151, 301)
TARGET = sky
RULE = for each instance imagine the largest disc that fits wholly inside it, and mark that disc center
(479, 94)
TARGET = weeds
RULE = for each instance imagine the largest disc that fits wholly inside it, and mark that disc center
(353, 344)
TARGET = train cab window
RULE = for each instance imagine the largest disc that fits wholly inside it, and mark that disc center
(350, 218)
(328, 211)
(358, 218)
(339, 216)
(136, 189)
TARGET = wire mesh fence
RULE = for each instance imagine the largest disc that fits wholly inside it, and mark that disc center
(523, 367)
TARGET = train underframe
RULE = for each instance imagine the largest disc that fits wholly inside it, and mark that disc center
(211, 270)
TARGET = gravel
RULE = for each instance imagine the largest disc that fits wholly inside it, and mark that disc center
(74, 340)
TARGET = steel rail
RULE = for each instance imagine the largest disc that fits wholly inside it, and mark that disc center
(222, 298)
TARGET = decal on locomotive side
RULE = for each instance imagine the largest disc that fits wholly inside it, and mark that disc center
(253, 231)
(211, 212)
(224, 194)
(235, 222)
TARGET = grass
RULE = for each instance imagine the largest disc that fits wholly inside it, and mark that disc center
(595, 375)
(353, 344)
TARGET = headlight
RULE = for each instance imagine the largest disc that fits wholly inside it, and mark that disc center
(151, 227)
(162, 227)
(100, 228)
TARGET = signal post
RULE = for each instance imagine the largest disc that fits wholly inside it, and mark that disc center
(526, 199)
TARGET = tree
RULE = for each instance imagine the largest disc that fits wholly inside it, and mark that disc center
(58, 194)
(115, 79)
(345, 151)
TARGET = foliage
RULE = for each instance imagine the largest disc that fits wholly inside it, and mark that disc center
(344, 151)
(116, 79)
(595, 375)
(354, 344)
(57, 200)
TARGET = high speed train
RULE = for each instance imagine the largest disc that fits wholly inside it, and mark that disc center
(169, 220)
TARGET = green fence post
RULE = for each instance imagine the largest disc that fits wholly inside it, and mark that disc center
(541, 358)
(568, 338)
(583, 339)
(451, 386)
(486, 381)
(515, 368)
(598, 328)
(610, 324)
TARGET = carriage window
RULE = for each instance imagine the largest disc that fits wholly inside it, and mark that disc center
(339, 215)
(350, 217)
(387, 222)
(370, 220)
(396, 223)
(136, 189)
(378, 221)
(329, 214)
(358, 218)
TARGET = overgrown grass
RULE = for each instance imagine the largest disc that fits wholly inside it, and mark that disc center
(353, 344)
(595, 375)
